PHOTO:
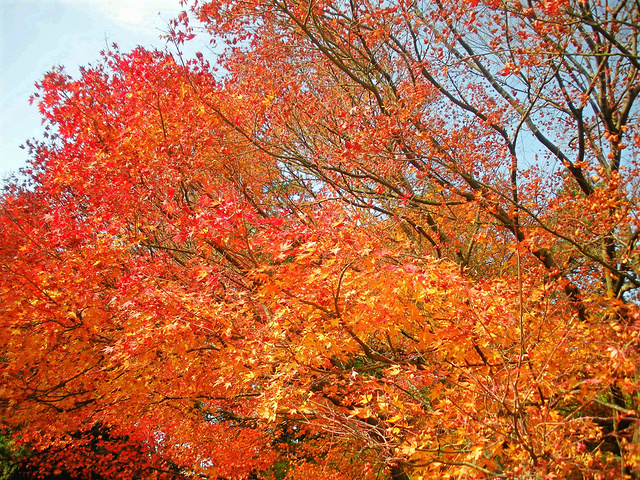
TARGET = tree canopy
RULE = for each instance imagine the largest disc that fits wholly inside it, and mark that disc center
(356, 240)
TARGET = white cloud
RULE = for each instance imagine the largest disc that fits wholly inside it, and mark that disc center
(139, 14)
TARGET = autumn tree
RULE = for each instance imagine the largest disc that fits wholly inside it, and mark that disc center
(367, 239)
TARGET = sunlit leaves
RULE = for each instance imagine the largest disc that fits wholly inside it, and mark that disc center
(384, 239)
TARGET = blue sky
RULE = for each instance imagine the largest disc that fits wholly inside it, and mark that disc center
(36, 35)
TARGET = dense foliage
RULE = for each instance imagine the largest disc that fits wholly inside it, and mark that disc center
(368, 240)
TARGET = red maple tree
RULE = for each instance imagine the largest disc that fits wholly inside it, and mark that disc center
(381, 240)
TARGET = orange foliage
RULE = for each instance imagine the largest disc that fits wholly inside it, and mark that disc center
(390, 240)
